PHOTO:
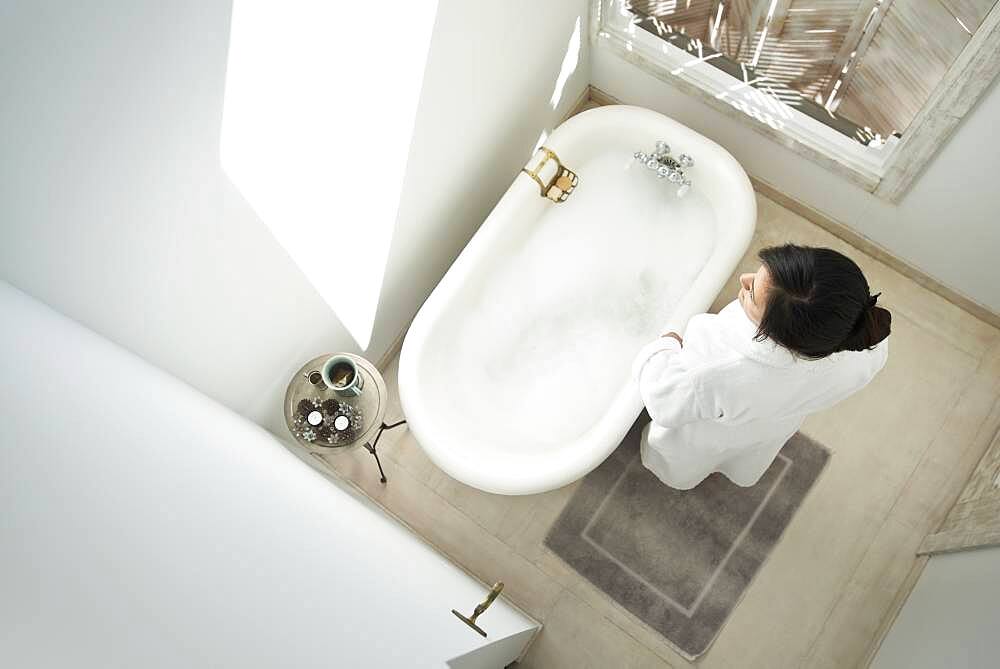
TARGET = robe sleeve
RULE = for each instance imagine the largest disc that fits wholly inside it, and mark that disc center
(667, 385)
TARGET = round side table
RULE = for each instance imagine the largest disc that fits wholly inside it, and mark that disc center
(323, 421)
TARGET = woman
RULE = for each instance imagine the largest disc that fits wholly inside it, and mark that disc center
(803, 334)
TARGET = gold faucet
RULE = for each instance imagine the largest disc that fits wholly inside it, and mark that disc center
(561, 184)
(480, 608)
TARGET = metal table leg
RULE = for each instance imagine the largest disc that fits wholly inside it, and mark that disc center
(371, 447)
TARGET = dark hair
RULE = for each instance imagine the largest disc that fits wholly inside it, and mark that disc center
(819, 303)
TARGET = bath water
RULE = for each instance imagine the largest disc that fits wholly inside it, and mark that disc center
(556, 327)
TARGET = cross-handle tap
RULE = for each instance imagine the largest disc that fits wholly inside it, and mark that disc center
(667, 167)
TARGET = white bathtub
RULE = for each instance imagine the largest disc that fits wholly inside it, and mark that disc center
(515, 373)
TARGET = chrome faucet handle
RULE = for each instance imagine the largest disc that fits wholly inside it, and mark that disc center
(667, 167)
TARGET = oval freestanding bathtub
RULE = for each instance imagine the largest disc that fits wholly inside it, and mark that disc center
(515, 374)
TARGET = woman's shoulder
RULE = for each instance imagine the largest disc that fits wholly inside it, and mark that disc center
(879, 353)
(862, 364)
(724, 365)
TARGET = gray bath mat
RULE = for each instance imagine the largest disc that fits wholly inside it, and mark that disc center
(680, 560)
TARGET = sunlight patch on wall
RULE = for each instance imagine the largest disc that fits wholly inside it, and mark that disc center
(570, 61)
(316, 129)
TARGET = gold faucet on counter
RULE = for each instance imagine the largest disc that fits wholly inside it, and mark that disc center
(480, 608)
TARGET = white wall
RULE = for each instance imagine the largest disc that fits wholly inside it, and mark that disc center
(951, 618)
(114, 209)
(173, 533)
(947, 225)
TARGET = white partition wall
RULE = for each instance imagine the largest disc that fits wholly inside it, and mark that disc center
(145, 525)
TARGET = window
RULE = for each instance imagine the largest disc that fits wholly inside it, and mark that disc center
(850, 82)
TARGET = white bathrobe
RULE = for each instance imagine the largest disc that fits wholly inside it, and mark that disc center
(726, 403)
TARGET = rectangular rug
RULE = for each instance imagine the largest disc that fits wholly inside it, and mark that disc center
(680, 560)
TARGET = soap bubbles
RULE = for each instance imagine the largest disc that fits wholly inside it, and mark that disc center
(546, 329)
